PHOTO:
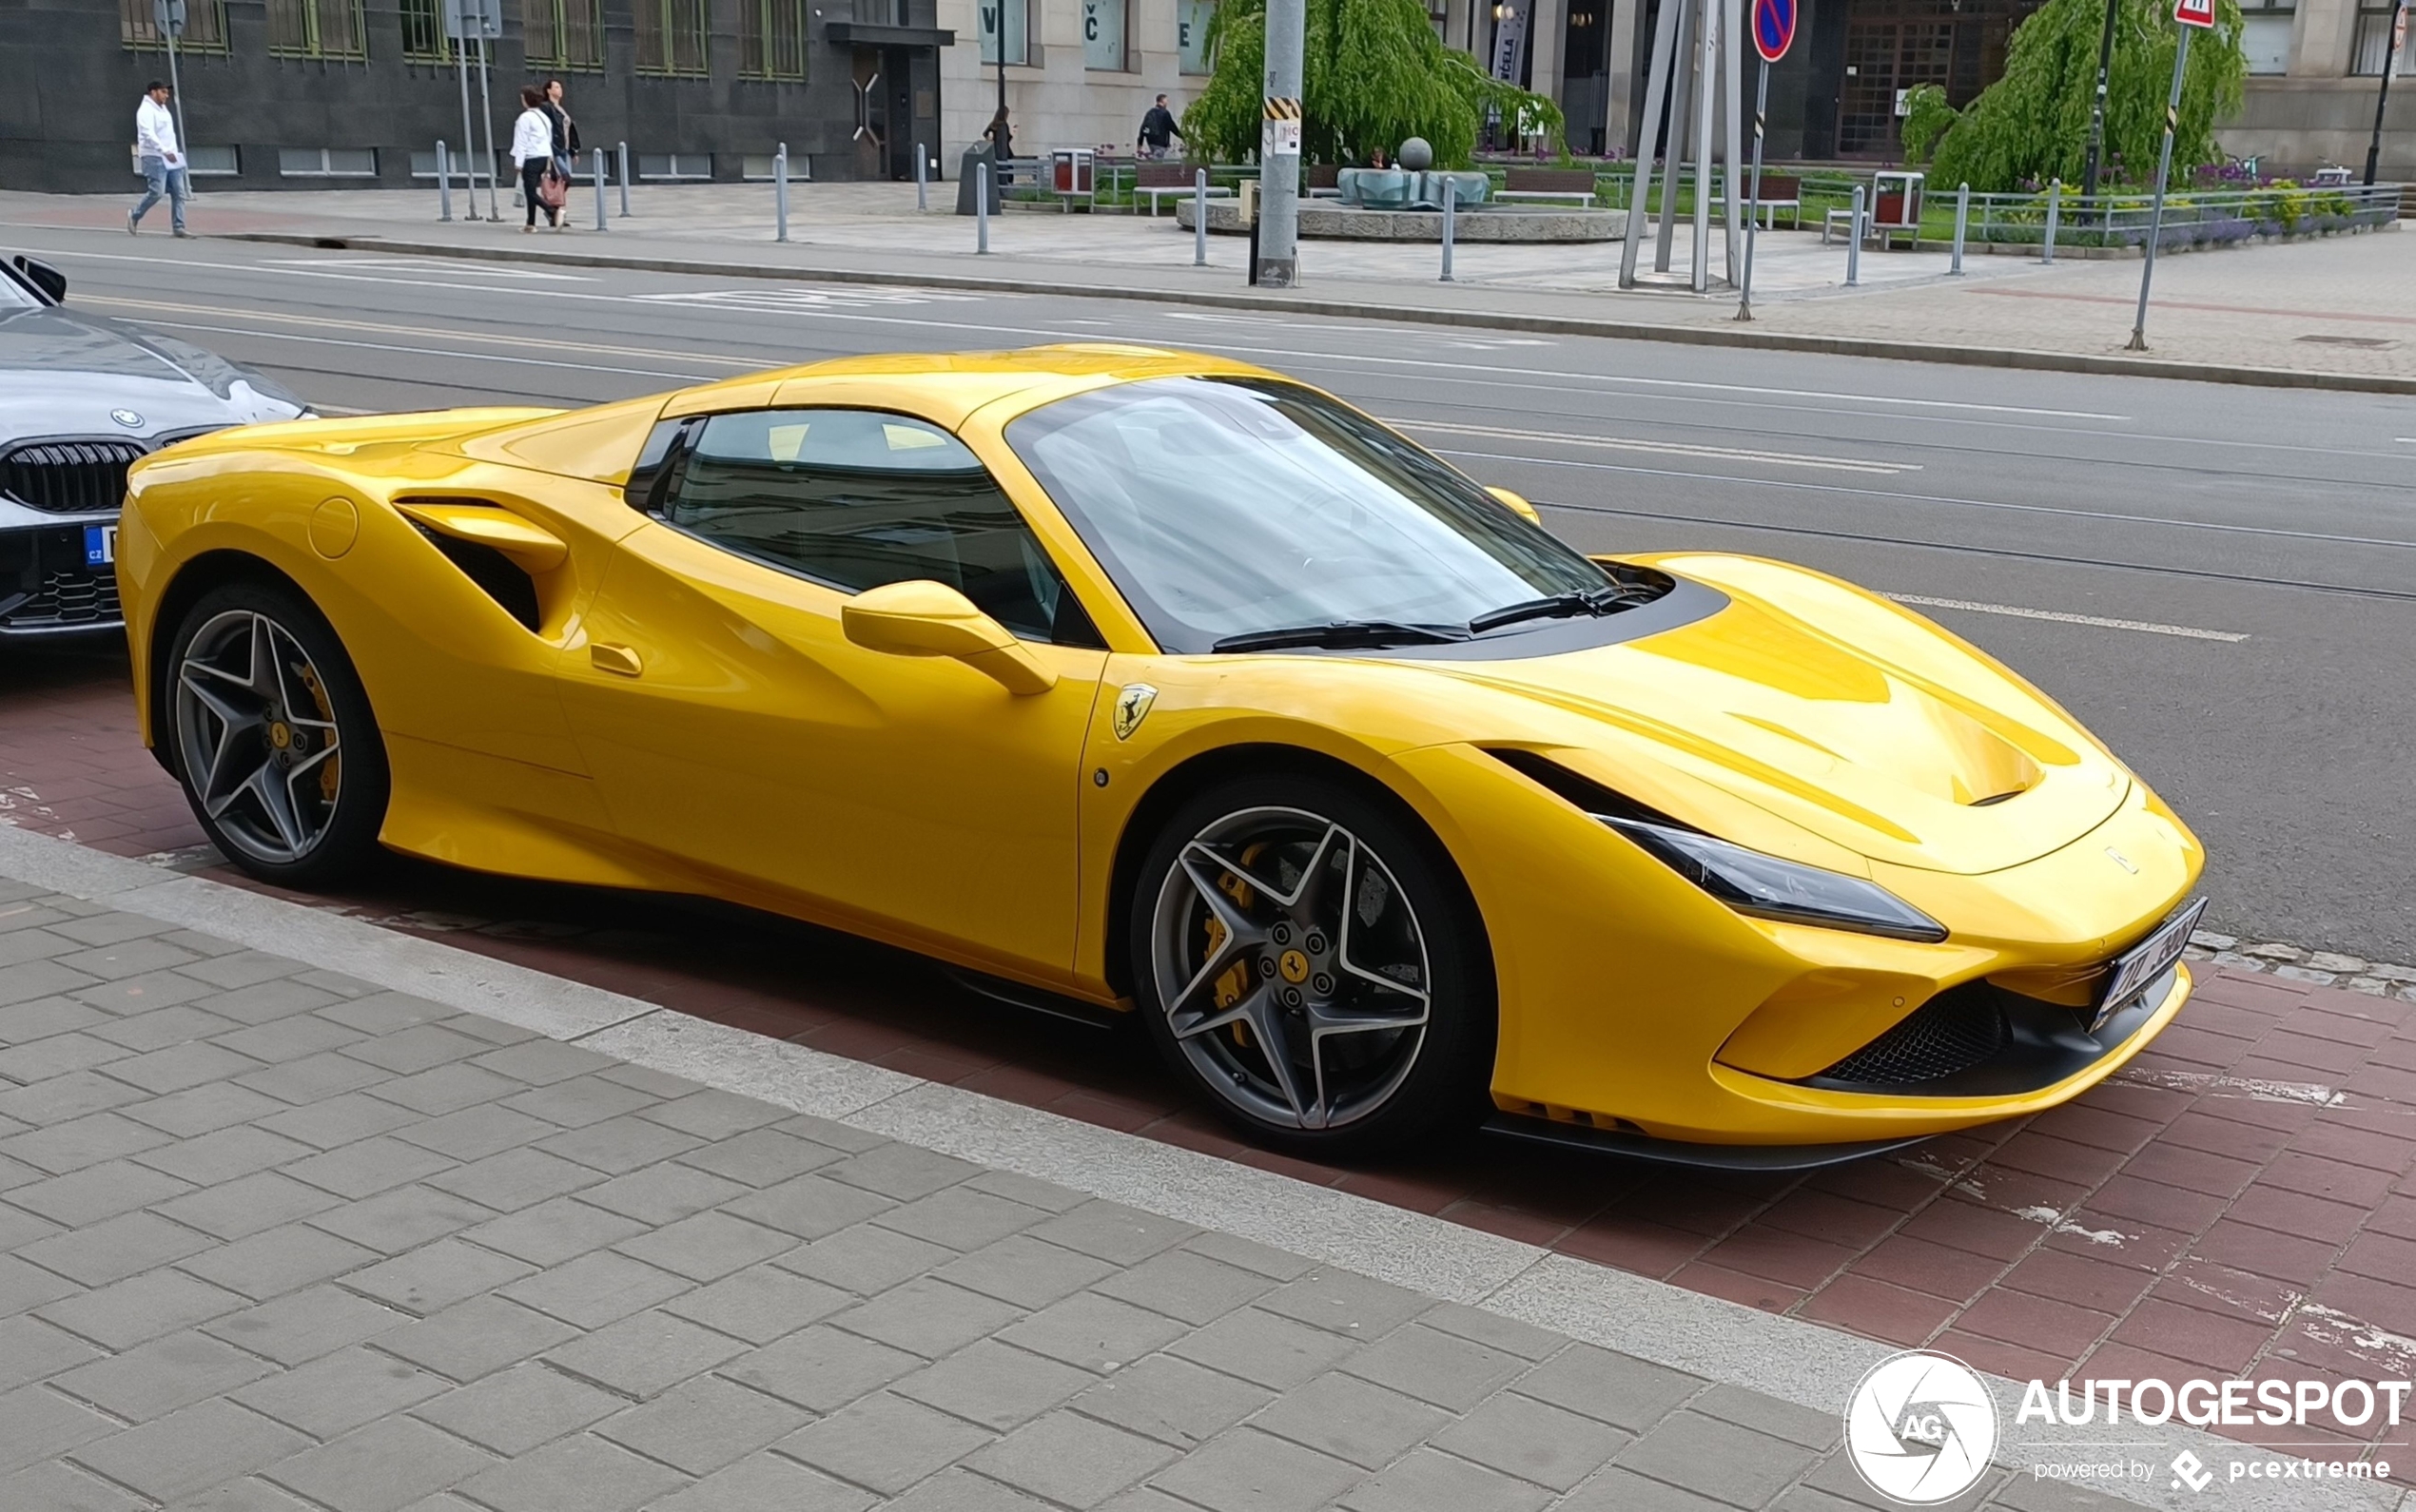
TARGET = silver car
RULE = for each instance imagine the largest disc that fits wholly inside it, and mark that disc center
(81, 397)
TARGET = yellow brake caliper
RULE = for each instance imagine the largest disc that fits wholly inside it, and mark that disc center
(330, 770)
(1236, 980)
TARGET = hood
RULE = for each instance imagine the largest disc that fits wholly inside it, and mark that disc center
(1835, 711)
(63, 373)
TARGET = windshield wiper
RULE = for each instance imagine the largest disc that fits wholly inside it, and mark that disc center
(1341, 633)
(1603, 600)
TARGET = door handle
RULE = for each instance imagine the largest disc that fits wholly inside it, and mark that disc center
(618, 660)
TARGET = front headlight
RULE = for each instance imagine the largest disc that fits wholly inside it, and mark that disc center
(1751, 882)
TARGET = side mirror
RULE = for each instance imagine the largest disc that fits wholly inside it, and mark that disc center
(52, 282)
(923, 618)
(1517, 505)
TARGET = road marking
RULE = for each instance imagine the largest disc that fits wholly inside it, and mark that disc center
(783, 299)
(2098, 621)
(1622, 443)
(375, 328)
(1899, 497)
(422, 351)
(432, 266)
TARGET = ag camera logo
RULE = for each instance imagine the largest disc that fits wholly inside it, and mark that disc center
(1921, 1427)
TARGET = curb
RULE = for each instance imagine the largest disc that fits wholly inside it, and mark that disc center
(2018, 357)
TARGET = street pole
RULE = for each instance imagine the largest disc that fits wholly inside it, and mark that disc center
(184, 143)
(469, 138)
(2097, 106)
(1279, 147)
(2373, 148)
(1706, 82)
(444, 183)
(620, 166)
(486, 104)
(1753, 200)
(2164, 170)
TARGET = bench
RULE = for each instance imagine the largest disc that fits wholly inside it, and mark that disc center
(1158, 180)
(1560, 184)
(1781, 191)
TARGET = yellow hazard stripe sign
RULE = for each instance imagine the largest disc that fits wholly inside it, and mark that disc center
(1282, 109)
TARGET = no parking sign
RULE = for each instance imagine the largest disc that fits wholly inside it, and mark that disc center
(1773, 28)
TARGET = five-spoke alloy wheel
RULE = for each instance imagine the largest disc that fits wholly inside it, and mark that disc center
(272, 737)
(1302, 958)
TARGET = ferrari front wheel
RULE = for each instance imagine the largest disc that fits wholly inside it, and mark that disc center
(1314, 966)
(272, 736)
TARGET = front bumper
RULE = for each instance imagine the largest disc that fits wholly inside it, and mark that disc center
(46, 588)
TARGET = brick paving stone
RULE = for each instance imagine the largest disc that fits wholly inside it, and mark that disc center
(475, 1338)
(382, 1467)
(305, 1325)
(760, 1303)
(768, 1483)
(277, 1260)
(97, 1192)
(511, 1180)
(662, 1192)
(554, 1231)
(1428, 1480)
(1533, 1440)
(122, 1247)
(644, 1355)
(576, 1474)
(190, 1450)
(34, 1351)
(595, 1289)
(704, 1424)
(81, 1142)
(761, 1157)
(1071, 1459)
(866, 1259)
(1248, 1471)
(394, 1221)
(436, 1276)
(341, 1391)
(821, 1367)
(56, 1486)
(1171, 1400)
(884, 1442)
(1098, 1333)
(1112, 1231)
(515, 1411)
(1352, 1420)
(926, 1317)
(1025, 1271)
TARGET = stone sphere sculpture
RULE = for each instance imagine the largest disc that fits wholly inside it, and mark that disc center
(1417, 155)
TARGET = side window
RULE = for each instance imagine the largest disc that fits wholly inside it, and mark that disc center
(856, 498)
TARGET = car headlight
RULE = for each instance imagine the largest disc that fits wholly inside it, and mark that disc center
(1751, 882)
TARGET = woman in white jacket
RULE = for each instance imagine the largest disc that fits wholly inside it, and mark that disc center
(533, 149)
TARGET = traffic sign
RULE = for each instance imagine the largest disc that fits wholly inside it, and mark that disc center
(2193, 12)
(1774, 28)
(464, 19)
(169, 15)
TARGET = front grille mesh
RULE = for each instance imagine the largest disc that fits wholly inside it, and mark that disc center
(66, 599)
(69, 477)
(1954, 1030)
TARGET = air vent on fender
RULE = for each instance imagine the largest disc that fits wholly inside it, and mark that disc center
(496, 574)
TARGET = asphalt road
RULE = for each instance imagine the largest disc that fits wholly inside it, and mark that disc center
(2220, 580)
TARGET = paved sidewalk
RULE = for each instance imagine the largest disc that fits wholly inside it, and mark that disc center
(272, 1238)
(2340, 311)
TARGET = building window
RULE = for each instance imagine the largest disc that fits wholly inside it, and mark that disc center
(2373, 41)
(1191, 32)
(315, 28)
(655, 167)
(671, 37)
(772, 39)
(423, 38)
(328, 163)
(205, 27)
(565, 33)
(1016, 18)
(1104, 34)
(2265, 33)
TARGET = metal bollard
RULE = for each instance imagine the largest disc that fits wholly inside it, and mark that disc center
(981, 208)
(1200, 218)
(780, 190)
(1962, 219)
(445, 182)
(599, 189)
(922, 176)
(623, 166)
(1854, 246)
(1450, 200)
(2054, 214)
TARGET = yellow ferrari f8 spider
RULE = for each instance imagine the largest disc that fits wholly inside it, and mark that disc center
(1168, 684)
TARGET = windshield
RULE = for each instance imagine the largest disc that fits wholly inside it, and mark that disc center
(14, 293)
(1226, 507)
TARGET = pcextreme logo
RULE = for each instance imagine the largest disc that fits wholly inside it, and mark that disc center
(1921, 1427)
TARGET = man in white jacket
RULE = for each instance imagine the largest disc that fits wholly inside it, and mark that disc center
(163, 161)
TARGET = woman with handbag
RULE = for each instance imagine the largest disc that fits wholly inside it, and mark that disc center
(533, 149)
(566, 131)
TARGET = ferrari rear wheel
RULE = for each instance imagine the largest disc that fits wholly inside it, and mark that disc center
(1304, 960)
(273, 738)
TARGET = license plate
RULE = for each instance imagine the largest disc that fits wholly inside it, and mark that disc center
(2137, 968)
(100, 545)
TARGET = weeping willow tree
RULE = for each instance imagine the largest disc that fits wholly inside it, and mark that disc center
(1374, 74)
(2032, 126)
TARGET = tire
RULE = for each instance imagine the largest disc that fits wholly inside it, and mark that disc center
(260, 700)
(1385, 1009)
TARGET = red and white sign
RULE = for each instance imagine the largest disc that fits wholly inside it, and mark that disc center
(2193, 12)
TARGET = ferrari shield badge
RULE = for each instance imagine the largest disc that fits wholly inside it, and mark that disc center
(1132, 707)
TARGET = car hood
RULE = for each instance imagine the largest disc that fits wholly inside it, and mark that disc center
(64, 373)
(1829, 707)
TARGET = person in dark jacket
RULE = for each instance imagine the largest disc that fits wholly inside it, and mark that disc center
(566, 131)
(1158, 130)
(1001, 139)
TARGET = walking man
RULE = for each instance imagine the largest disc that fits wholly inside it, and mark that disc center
(162, 159)
(1157, 129)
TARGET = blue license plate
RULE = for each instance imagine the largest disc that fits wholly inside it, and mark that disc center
(100, 545)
